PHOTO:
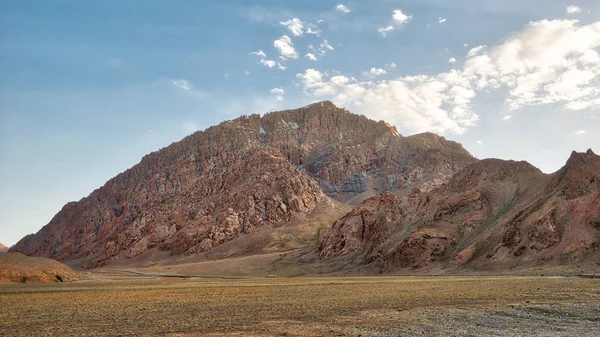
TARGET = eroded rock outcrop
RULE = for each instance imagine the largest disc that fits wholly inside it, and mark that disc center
(493, 215)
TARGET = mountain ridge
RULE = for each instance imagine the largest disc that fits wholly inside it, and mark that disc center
(247, 173)
(492, 215)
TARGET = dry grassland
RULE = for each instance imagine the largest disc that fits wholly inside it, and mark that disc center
(116, 305)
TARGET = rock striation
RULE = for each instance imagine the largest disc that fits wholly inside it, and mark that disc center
(249, 173)
(492, 215)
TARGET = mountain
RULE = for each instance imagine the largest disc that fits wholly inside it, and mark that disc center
(3, 248)
(493, 215)
(244, 175)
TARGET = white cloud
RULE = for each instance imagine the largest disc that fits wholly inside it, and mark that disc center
(277, 91)
(452, 60)
(324, 47)
(182, 84)
(272, 64)
(507, 117)
(339, 80)
(247, 72)
(400, 18)
(475, 51)
(259, 53)
(385, 30)
(579, 132)
(285, 46)
(548, 62)
(414, 102)
(441, 20)
(465, 45)
(480, 142)
(311, 56)
(377, 71)
(295, 25)
(391, 65)
(573, 9)
(313, 29)
(343, 9)
(268, 63)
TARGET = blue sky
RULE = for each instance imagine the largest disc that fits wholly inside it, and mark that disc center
(89, 87)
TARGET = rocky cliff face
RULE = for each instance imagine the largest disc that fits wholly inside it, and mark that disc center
(353, 157)
(244, 174)
(492, 215)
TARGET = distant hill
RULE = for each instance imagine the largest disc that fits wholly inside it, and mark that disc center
(3, 248)
(19, 268)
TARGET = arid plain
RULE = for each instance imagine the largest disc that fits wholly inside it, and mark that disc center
(125, 304)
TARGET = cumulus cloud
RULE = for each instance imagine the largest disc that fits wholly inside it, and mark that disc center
(573, 9)
(277, 91)
(295, 25)
(343, 9)
(311, 56)
(377, 71)
(507, 117)
(452, 60)
(385, 30)
(441, 20)
(579, 132)
(414, 102)
(285, 46)
(391, 65)
(400, 18)
(548, 62)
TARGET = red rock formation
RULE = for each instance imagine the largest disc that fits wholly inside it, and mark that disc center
(492, 215)
(240, 175)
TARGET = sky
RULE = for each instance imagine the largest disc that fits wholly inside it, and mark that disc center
(87, 88)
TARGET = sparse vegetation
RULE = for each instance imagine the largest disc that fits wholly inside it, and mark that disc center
(357, 306)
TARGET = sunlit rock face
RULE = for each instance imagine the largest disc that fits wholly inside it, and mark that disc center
(244, 174)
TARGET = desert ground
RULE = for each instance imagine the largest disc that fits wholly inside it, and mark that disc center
(114, 303)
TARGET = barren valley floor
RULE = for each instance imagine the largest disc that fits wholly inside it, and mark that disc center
(122, 305)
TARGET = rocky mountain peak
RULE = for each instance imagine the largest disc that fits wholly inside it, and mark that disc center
(249, 173)
(579, 175)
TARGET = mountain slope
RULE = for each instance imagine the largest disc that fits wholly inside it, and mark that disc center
(492, 215)
(18, 268)
(3, 248)
(249, 173)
